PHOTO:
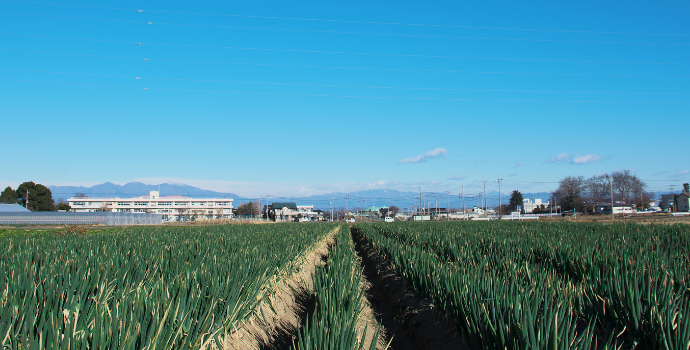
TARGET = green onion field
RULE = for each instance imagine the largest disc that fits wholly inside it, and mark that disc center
(497, 285)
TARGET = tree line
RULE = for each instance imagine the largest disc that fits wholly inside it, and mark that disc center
(578, 193)
(584, 194)
(39, 197)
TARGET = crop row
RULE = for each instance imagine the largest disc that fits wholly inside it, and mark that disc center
(153, 288)
(339, 303)
(530, 285)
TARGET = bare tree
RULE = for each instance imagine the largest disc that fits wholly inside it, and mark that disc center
(80, 195)
(569, 192)
(180, 212)
(597, 188)
(625, 183)
(196, 213)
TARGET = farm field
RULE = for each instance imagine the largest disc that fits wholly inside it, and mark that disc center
(468, 285)
(507, 285)
(150, 288)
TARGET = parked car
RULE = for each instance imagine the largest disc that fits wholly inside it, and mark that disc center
(389, 219)
(350, 220)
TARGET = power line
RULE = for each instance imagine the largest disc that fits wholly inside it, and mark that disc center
(351, 86)
(347, 96)
(347, 32)
(351, 21)
(343, 52)
(354, 68)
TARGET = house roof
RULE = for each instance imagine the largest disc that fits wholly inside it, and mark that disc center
(13, 208)
(281, 205)
(686, 194)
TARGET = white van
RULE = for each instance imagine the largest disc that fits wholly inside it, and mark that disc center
(389, 219)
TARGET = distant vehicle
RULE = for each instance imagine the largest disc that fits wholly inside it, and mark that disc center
(567, 213)
(389, 219)
(350, 220)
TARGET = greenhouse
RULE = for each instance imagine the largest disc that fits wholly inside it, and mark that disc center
(70, 218)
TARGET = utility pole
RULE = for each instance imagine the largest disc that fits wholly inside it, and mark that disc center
(611, 188)
(420, 199)
(347, 195)
(447, 209)
(436, 204)
(463, 202)
(26, 202)
(500, 212)
(673, 202)
(484, 197)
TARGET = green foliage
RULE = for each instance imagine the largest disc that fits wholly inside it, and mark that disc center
(510, 285)
(40, 197)
(338, 294)
(516, 200)
(248, 209)
(8, 196)
(63, 206)
(151, 288)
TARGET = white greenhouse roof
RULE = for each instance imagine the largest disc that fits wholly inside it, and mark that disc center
(13, 208)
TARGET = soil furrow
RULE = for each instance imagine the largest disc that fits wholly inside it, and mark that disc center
(285, 311)
(411, 321)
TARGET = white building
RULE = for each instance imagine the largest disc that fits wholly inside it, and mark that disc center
(308, 212)
(530, 204)
(617, 209)
(173, 208)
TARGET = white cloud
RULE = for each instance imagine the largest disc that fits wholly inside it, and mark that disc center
(683, 173)
(519, 164)
(457, 177)
(559, 158)
(575, 158)
(426, 156)
(590, 158)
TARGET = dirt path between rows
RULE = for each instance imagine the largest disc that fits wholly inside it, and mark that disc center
(411, 320)
(283, 313)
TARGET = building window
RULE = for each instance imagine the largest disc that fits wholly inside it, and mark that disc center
(140, 203)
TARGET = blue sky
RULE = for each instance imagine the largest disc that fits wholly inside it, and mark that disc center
(303, 98)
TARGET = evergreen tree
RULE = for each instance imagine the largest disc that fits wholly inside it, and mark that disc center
(516, 200)
(40, 197)
(8, 196)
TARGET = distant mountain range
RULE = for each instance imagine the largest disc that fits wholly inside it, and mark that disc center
(135, 189)
(378, 198)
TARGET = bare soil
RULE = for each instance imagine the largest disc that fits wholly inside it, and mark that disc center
(409, 319)
(285, 308)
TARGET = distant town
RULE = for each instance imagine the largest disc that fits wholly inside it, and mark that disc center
(619, 193)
